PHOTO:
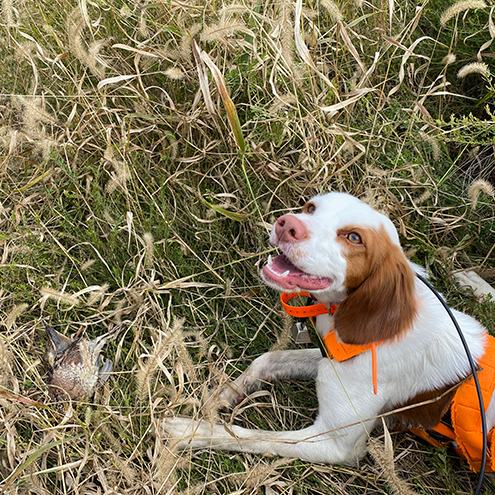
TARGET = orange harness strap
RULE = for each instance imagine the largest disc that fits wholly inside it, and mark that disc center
(342, 352)
(335, 349)
(465, 432)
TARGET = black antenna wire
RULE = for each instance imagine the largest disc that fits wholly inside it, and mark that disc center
(475, 378)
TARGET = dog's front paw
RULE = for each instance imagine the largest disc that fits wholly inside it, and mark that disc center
(186, 433)
(229, 395)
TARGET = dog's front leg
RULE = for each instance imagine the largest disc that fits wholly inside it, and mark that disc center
(313, 444)
(347, 413)
(297, 365)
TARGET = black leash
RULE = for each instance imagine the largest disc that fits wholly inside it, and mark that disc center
(475, 378)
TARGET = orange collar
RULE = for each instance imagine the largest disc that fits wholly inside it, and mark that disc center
(304, 311)
(334, 348)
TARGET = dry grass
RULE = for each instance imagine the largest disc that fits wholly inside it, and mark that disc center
(137, 191)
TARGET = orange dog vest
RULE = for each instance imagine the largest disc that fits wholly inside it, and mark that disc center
(464, 434)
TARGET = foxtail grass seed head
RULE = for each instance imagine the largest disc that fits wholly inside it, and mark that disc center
(17, 310)
(97, 295)
(75, 27)
(383, 454)
(49, 293)
(473, 154)
(108, 217)
(424, 197)
(87, 265)
(182, 352)
(26, 50)
(5, 357)
(449, 59)
(8, 12)
(184, 50)
(435, 147)
(332, 9)
(173, 148)
(143, 29)
(474, 68)
(34, 114)
(149, 247)
(45, 146)
(174, 73)
(255, 478)
(222, 30)
(121, 175)
(285, 33)
(165, 464)
(386, 463)
(8, 139)
(237, 8)
(459, 7)
(478, 187)
(155, 359)
(124, 467)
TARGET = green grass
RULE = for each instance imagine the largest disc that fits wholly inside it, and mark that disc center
(114, 190)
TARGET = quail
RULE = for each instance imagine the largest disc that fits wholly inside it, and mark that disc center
(75, 367)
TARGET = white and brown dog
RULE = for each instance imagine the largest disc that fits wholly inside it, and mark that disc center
(344, 252)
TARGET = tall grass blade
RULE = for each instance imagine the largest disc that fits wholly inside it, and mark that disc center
(302, 49)
(237, 217)
(203, 81)
(350, 46)
(37, 453)
(356, 95)
(234, 122)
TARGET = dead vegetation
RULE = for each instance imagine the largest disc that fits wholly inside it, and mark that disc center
(145, 149)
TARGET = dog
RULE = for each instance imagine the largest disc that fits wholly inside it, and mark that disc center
(344, 252)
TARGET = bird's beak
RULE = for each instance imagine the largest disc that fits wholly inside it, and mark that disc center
(60, 342)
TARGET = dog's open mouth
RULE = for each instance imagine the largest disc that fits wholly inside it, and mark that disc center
(281, 272)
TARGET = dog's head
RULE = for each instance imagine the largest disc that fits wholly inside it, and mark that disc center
(345, 252)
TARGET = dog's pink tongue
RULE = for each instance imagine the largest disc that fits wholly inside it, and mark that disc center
(288, 277)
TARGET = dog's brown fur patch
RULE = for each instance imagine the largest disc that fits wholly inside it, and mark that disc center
(381, 303)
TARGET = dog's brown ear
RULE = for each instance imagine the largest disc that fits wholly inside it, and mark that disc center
(383, 306)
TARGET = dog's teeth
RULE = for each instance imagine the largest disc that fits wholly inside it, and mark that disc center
(269, 259)
(271, 269)
(285, 273)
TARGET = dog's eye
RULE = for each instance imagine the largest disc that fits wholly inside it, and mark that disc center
(310, 208)
(354, 238)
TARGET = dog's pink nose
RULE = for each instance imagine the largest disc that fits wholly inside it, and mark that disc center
(290, 229)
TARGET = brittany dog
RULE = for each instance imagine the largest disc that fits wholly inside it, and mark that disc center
(343, 252)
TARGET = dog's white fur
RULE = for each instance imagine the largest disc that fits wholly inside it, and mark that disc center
(427, 355)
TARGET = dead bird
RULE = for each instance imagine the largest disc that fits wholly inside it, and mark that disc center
(75, 366)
